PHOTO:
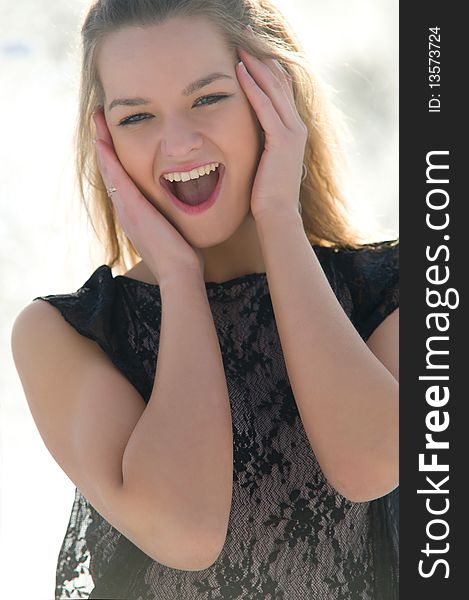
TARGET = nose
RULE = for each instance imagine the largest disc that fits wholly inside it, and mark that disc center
(180, 139)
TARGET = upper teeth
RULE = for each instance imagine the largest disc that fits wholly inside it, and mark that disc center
(194, 174)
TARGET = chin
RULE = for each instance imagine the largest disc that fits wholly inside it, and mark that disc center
(209, 239)
(221, 232)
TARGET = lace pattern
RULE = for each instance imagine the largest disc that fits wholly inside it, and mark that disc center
(291, 535)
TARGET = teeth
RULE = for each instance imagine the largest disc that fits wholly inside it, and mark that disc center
(194, 174)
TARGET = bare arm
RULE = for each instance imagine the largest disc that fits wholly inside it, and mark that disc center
(347, 397)
(160, 473)
(181, 450)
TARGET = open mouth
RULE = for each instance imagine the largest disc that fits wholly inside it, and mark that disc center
(194, 191)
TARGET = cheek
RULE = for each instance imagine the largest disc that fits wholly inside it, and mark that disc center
(245, 119)
(252, 139)
(132, 155)
(243, 131)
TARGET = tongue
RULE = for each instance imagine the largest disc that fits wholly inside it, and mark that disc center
(196, 191)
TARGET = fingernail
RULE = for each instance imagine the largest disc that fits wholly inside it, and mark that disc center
(95, 113)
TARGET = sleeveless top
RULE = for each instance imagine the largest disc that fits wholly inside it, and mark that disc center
(291, 535)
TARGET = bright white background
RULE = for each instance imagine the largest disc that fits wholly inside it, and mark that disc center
(45, 244)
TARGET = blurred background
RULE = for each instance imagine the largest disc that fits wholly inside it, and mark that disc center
(47, 248)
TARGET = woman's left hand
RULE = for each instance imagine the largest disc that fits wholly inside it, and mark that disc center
(268, 87)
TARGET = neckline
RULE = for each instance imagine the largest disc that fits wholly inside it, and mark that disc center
(230, 285)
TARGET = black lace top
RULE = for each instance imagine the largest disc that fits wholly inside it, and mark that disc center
(291, 536)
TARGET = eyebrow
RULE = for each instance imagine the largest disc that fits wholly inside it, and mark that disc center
(187, 91)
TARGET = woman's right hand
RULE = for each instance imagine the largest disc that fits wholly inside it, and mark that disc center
(162, 248)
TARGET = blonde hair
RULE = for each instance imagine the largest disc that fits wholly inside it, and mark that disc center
(327, 218)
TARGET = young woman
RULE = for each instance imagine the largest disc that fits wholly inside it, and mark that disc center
(228, 407)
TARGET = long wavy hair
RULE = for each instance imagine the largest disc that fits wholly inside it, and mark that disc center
(327, 218)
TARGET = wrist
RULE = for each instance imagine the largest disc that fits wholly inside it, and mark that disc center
(182, 279)
(278, 219)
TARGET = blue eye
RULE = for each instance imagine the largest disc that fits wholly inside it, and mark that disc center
(216, 98)
(129, 121)
(210, 100)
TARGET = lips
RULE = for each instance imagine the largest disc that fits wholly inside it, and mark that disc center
(194, 197)
(198, 208)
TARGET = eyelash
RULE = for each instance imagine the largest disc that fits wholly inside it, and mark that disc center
(127, 121)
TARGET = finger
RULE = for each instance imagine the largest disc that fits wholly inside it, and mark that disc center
(285, 77)
(269, 86)
(283, 74)
(102, 130)
(277, 67)
(265, 110)
(128, 200)
(113, 174)
(128, 225)
(106, 175)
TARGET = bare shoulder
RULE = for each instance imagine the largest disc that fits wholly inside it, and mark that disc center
(35, 311)
(43, 343)
(37, 314)
(40, 326)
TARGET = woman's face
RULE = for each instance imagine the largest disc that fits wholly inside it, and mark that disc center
(172, 129)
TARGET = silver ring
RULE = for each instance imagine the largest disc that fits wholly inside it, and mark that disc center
(300, 208)
(305, 173)
(110, 191)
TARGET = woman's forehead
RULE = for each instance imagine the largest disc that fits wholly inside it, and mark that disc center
(179, 40)
(168, 56)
